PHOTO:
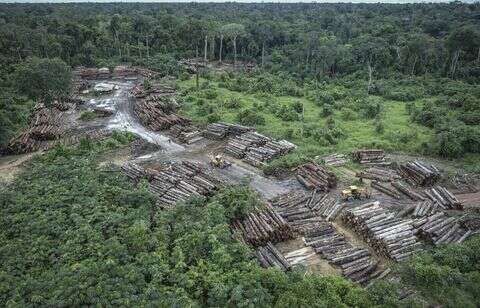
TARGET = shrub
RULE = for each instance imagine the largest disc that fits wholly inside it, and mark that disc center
(402, 96)
(250, 117)
(233, 103)
(327, 110)
(348, 114)
(323, 98)
(371, 107)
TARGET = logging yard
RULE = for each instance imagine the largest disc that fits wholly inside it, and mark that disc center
(410, 203)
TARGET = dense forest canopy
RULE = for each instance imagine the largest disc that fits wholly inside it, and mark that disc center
(314, 40)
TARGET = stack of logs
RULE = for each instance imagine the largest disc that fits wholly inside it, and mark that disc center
(372, 157)
(378, 174)
(386, 189)
(440, 229)
(303, 211)
(418, 173)
(186, 133)
(269, 256)
(219, 131)
(355, 263)
(155, 107)
(175, 182)
(334, 160)
(262, 226)
(389, 235)
(314, 176)
(256, 148)
(419, 209)
(443, 198)
(46, 124)
(408, 191)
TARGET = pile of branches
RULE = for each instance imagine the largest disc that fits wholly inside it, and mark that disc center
(175, 182)
(132, 71)
(440, 229)
(269, 256)
(378, 174)
(156, 106)
(389, 235)
(418, 173)
(262, 226)
(192, 65)
(370, 156)
(334, 160)
(443, 198)
(219, 131)
(356, 263)
(314, 176)
(408, 191)
(186, 133)
(466, 183)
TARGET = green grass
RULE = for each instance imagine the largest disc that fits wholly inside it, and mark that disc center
(399, 133)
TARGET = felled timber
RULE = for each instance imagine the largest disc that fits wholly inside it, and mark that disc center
(175, 182)
(440, 229)
(408, 191)
(314, 176)
(418, 173)
(262, 226)
(334, 160)
(443, 198)
(219, 131)
(378, 174)
(356, 263)
(389, 235)
(155, 107)
(386, 189)
(370, 156)
(300, 256)
(186, 133)
(269, 256)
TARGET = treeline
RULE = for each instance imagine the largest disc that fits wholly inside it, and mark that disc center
(308, 40)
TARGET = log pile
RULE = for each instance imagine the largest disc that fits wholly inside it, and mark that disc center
(156, 106)
(418, 173)
(443, 198)
(263, 226)
(334, 160)
(419, 209)
(378, 174)
(440, 229)
(269, 256)
(370, 156)
(175, 182)
(389, 235)
(356, 263)
(386, 189)
(314, 176)
(45, 125)
(219, 131)
(408, 191)
(186, 133)
(300, 256)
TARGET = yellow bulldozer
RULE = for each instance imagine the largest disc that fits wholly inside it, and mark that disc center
(354, 192)
(218, 161)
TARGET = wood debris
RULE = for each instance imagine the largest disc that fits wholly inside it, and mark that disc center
(334, 160)
(441, 229)
(378, 174)
(418, 173)
(443, 198)
(263, 226)
(370, 156)
(389, 235)
(314, 176)
(269, 256)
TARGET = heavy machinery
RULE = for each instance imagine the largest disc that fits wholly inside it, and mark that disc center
(354, 192)
(217, 161)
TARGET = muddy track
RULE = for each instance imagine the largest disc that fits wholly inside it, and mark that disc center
(124, 119)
